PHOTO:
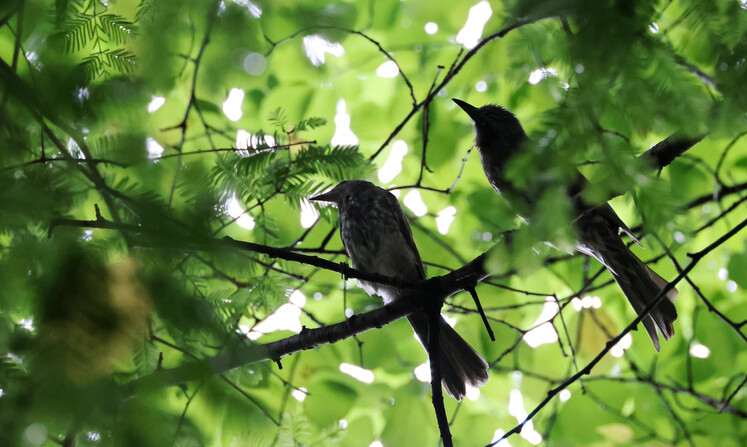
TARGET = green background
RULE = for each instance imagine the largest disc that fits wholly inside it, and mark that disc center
(85, 310)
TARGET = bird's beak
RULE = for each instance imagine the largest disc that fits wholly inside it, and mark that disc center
(472, 111)
(328, 196)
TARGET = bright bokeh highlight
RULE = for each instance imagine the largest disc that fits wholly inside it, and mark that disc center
(155, 150)
(253, 8)
(388, 69)
(415, 203)
(155, 103)
(444, 218)
(545, 332)
(235, 210)
(470, 34)
(309, 214)
(343, 136)
(541, 73)
(317, 47)
(393, 164)
(232, 105)
(361, 374)
(700, 351)
(622, 345)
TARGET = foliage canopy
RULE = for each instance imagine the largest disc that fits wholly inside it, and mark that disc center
(135, 135)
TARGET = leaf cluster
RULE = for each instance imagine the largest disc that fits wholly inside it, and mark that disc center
(123, 165)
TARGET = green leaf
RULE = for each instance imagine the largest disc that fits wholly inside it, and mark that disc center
(310, 123)
(208, 106)
(317, 404)
(738, 269)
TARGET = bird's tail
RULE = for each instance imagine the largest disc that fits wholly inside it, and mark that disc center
(640, 285)
(460, 364)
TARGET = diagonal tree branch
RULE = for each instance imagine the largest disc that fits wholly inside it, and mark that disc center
(695, 258)
(666, 151)
(416, 299)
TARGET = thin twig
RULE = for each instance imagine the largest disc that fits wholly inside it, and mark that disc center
(455, 67)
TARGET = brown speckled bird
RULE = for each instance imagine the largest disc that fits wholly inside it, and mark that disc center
(499, 136)
(378, 239)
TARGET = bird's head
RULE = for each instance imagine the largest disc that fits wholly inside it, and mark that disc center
(342, 190)
(495, 127)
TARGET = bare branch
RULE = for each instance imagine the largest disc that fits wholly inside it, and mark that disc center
(666, 151)
(417, 299)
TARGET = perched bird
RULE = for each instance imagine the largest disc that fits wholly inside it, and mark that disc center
(378, 239)
(499, 136)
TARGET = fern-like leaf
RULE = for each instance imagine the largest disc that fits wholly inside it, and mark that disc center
(75, 32)
(92, 66)
(278, 118)
(295, 429)
(310, 123)
(145, 356)
(298, 188)
(124, 148)
(266, 229)
(122, 60)
(64, 9)
(143, 10)
(336, 163)
(256, 163)
(117, 28)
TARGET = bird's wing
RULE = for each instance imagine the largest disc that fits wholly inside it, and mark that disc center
(611, 216)
(605, 210)
(344, 245)
(404, 227)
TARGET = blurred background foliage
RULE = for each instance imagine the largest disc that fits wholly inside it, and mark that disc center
(173, 124)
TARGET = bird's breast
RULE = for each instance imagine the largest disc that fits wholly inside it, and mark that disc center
(375, 243)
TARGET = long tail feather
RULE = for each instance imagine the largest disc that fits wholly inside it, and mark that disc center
(460, 364)
(638, 282)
